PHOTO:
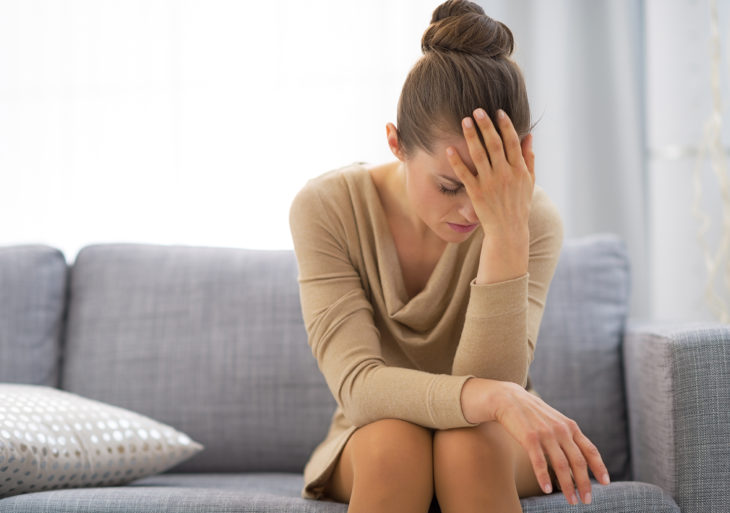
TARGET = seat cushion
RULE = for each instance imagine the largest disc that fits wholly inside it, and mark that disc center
(32, 302)
(279, 493)
(577, 367)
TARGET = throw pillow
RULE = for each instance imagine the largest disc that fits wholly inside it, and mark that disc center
(50, 439)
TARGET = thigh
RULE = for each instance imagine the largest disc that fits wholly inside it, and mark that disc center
(368, 445)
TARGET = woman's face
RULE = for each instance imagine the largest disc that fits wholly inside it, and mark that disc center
(435, 194)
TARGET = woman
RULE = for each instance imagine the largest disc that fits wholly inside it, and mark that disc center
(423, 283)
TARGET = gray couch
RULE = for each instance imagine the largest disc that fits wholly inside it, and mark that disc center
(211, 342)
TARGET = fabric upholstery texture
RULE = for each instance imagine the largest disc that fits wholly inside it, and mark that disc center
(279, 493)
(678, 386)
(50, 439)
(32, 302)
(209, 340)
(578, 360)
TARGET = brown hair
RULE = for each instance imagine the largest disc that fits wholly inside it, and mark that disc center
(465, 64)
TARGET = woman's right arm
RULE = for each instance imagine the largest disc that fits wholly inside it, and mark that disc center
(341, 330)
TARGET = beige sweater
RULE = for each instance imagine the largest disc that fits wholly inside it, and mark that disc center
(384, 356)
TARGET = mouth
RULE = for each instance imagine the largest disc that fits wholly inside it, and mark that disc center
(462, 228)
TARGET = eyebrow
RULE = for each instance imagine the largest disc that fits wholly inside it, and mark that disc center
(453, 180)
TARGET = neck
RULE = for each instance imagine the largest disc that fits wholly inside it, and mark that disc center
(402, 208)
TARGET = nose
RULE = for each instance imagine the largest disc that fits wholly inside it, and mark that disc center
(467, 211)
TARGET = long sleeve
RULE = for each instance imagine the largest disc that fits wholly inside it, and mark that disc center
(342, 334)
(503, 319)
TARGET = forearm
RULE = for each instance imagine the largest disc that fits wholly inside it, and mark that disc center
(493, 342)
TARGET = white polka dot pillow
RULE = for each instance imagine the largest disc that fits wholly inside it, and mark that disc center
(50, 439)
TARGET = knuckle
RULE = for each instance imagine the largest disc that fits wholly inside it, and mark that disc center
(572, 424)
(562, 430)
(592, 451)
(561, 466)
(580, 464)
(544, 432)
(493, 141)
(533, 438)
(479, 156)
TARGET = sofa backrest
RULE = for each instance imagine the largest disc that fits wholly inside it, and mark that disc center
(32, 301)
(211, 341)
(208, 340)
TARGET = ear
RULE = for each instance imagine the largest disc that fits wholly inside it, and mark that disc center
(391, 134)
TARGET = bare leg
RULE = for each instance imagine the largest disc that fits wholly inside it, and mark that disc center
(480, 469)
(386, 466)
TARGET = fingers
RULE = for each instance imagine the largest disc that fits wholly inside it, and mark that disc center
(529, 155)
(578, 464)
(539, 463)
(571, 453)
(463, 173)
(595, 462)
(482, 161)
(561, 467)
(501, 150)
(512, 148)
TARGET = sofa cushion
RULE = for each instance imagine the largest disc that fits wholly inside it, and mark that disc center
(578, 356)
(209, 340)
(52, 439)
(279, 492)
(32, 301)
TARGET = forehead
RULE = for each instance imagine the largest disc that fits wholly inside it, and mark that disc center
(438, 162)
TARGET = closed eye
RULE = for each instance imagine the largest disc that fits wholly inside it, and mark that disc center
(446, 190)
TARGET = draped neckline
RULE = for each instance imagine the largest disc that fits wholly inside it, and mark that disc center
(430, 300)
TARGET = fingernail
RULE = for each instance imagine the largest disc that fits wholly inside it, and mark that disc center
(605, 479)
(548, 488)
(501, 114)
(480, 114)
(450, 152)
(573, 499)
(468, 123)
(587, 498)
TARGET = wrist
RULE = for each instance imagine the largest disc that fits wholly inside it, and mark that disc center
(500, 261)
(518, 238)
(480, 399)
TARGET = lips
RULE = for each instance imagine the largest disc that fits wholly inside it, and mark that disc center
(462, 228)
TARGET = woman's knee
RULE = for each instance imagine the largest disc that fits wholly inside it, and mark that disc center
(392, 448)
(485, 443)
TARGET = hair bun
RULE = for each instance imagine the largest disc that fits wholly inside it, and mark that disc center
(462, 26)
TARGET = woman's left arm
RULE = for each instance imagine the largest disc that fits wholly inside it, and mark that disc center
(523, 234)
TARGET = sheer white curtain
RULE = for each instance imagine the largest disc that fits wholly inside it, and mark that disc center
(583, 65)
(625, 92)
(188, 122)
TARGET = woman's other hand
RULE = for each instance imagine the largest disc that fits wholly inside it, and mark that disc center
(501, 190)
(542, 430)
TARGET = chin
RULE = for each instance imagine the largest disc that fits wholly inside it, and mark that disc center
(450, 235)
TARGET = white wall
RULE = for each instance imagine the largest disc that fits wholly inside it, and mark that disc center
(188, 122)
(196, 122)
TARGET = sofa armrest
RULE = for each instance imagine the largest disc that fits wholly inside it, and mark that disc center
(677, 380)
